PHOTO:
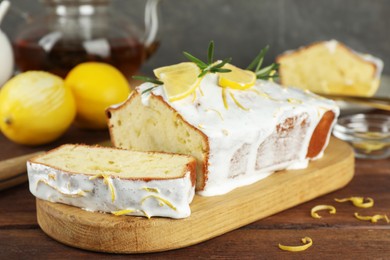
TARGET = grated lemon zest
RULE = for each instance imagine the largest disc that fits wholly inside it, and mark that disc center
(155, 190)
(166, 202)
(193, 96)
(358, 201)
(216, 111)
(294, 101)
(262, 94)
(95, 176)
(314, 214)
(373, 219)
(307, 241)
(258, 92)
(238, 103)
(79, 193)
(108, 181)
(51, 176)
(122, 212)
(200, 90)
(146, 214)
(225, 104)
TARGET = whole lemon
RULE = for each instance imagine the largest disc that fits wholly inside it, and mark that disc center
(35, 108)
(96, 86)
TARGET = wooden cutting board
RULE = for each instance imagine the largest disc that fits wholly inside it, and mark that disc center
(210, 217)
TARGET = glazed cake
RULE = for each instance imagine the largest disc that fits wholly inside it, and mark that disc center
(237, 136)
(330, 67)
(115, 181)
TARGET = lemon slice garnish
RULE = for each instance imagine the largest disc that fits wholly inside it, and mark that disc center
(237, 78)
(180, 80)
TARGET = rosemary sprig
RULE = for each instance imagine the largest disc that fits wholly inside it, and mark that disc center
(147, 79)
(148, 90)
(269, 72)
(210, 66)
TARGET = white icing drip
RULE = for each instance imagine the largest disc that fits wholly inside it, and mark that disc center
(114, 106)
(145, 95)
(96, 195)
(331, 45)
(251, 127)
(298, 165)
(378, 63)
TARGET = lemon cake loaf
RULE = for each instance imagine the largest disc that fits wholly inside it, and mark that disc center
(237, 136)
(330, 67)
(114, 180)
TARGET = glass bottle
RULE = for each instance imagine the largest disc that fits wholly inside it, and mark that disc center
(76, 31)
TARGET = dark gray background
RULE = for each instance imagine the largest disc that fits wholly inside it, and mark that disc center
(241, 28)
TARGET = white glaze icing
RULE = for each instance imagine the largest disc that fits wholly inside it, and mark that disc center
(268, 105)
(331, 45)
(92, 194)
(378, 63)
(120, 104)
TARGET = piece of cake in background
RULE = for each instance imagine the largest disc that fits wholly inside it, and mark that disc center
(115, 181)
(237, 136)
(330, 67)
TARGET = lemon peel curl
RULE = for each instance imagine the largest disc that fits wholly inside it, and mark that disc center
(314, 214)
(373, 218)
(358, 201)
(307, 241)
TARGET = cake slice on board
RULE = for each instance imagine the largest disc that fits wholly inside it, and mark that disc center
(115, 181)
(330, 67)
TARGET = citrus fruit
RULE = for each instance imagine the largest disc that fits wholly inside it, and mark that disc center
(96, 86)
(180, 80)
(237, 78)
(35, 108)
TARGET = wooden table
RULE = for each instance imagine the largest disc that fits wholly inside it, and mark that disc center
(339, 236)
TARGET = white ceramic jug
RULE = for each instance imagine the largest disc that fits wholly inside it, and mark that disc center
(6, 53)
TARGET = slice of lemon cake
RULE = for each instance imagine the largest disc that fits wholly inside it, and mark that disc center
(238, 128)
(330, 67)
(116, 181)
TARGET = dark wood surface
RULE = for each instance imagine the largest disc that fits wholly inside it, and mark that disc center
(339, 236)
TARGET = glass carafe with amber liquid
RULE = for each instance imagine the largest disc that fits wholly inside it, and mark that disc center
(76, 31)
